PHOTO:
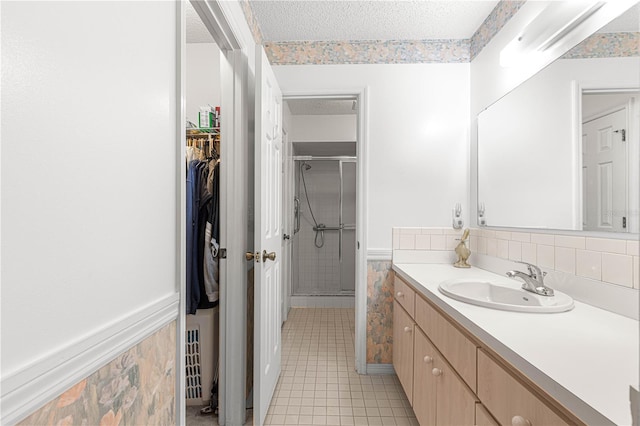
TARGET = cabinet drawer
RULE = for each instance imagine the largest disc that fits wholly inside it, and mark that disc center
(403, 329)
(451, 342)
(483, 418)
(404, 295)
(508, 400)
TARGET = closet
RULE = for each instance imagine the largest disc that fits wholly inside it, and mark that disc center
(202, 158)
(206, 270)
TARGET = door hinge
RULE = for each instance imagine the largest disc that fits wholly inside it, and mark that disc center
(624, 222)
(223, 253)
(622, 132)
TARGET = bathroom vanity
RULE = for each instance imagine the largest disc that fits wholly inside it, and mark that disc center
(471, 365)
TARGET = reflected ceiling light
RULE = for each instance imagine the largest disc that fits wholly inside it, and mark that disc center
(557, 20)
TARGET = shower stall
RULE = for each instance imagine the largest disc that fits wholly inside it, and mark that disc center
(324, 241)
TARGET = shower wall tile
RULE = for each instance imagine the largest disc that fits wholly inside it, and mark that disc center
(318, 269)
(379, 312)
(136, 388)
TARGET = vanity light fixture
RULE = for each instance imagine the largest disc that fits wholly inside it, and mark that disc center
(542, 39)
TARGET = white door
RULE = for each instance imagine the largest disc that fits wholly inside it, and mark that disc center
(605, 172)
(268, 236)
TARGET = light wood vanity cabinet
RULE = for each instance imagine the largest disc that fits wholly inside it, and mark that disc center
(459, 351)
(405, 295)
(448, 376)
(403, 329)
(483, 418)
(509, 401)
(441, 397)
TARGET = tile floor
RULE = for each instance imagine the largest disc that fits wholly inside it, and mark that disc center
(318, 384)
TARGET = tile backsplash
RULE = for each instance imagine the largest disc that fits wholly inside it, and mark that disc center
(603, 259)
(603, 272)
(609, 260)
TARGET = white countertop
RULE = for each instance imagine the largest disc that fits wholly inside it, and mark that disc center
(585, 358)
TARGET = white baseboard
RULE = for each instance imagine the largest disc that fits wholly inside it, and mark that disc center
(28, 389)
(380, 369)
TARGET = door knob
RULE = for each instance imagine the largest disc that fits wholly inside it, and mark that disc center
(436, 372)
(427, 359)
(250, 256)
(270, 256)
(408, 330)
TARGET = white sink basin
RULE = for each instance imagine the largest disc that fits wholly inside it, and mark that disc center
(483, 293)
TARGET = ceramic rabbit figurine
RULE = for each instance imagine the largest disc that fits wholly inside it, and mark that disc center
(463, 252)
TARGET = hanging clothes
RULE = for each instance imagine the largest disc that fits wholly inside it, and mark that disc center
(192, 206)
(212, 236)
(203, 231)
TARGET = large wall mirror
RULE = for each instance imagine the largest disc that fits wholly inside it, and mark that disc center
(561, 150)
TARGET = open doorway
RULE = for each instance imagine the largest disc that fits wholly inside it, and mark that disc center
(203, 99)
(321, 204)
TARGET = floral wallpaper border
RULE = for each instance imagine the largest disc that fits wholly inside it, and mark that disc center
(136, 388)
(251, 21)
(607, 45)
(379, 312)
(383, 51)
(497, 19)
(367, 52)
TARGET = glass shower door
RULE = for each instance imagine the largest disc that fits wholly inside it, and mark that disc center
(324, 260)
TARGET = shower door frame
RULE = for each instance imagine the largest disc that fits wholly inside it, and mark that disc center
(340, 159)
(360, 94)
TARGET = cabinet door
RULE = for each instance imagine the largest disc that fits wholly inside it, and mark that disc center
(403, 348)
(507, 399)
(459, 351)
(424, 382)
(455, 404)
(483, 418)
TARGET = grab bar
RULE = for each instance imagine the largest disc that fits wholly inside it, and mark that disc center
(296, 213)
(328, 228)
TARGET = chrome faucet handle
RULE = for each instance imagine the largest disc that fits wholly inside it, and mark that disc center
(534, 271)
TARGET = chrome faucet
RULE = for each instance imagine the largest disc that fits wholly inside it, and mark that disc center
(534, 281)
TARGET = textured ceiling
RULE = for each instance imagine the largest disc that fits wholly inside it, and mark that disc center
(627, 22)
(196, 31)
(311, 20)
(321, 106)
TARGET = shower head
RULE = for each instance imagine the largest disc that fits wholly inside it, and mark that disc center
(306, 165)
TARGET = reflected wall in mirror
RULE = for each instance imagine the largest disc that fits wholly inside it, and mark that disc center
(561, 150)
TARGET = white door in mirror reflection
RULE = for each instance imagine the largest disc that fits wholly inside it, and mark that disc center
(604, 172)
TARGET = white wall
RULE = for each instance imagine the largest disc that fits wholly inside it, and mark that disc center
(324, 128)
(203, 78)
(88, 169)
(418, 138)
